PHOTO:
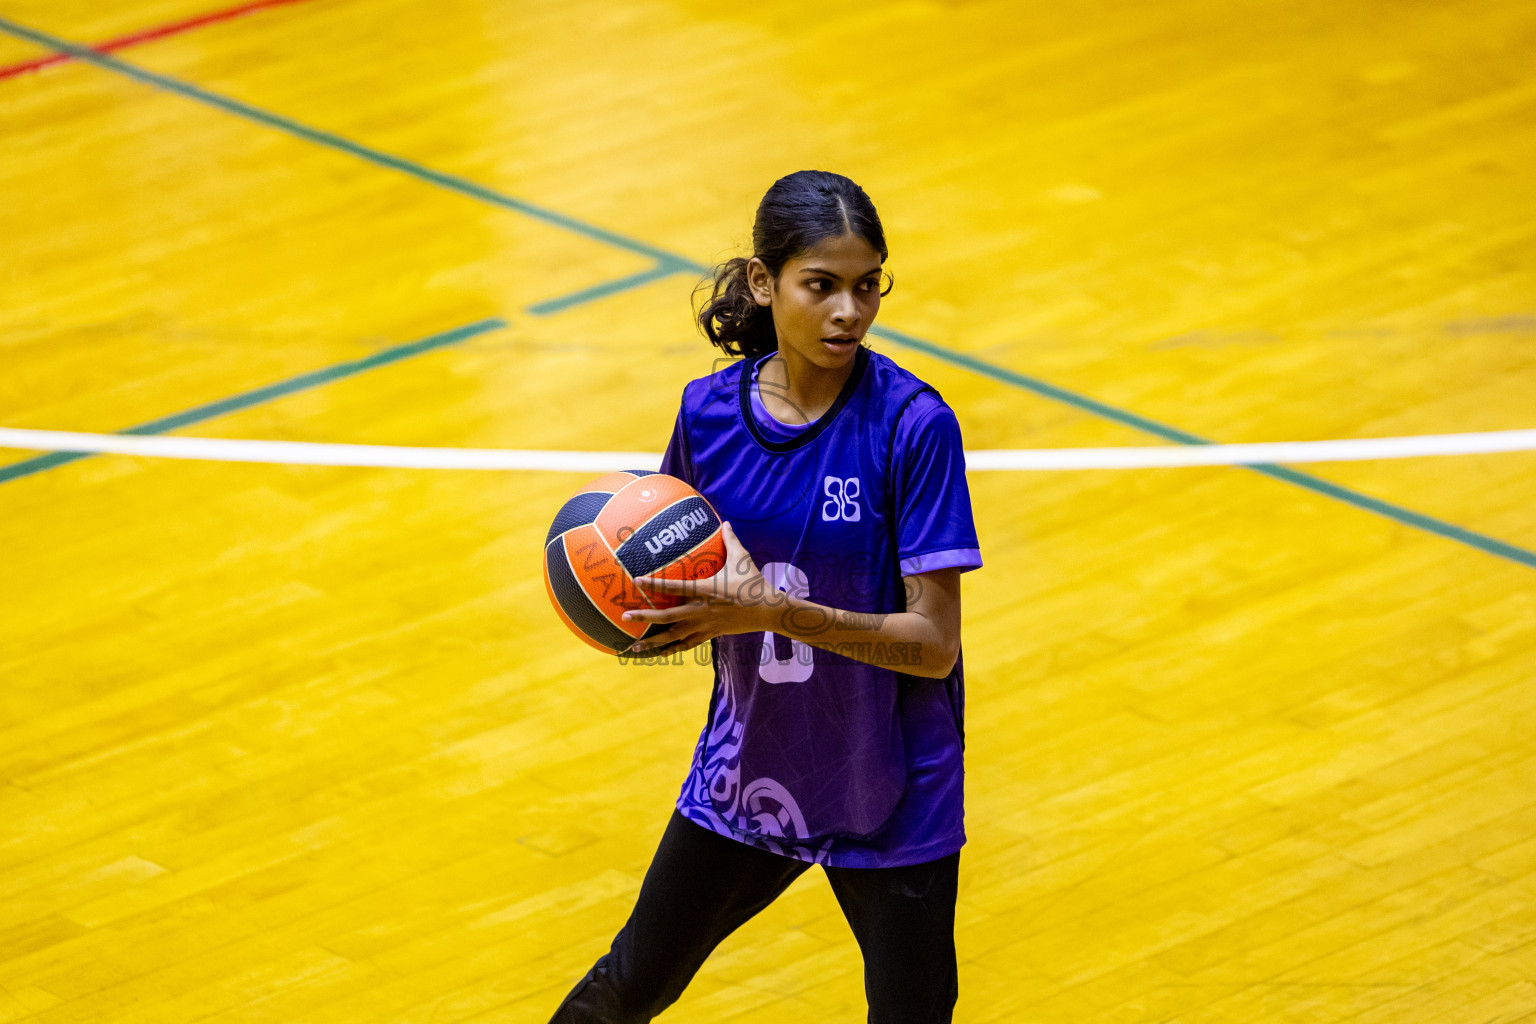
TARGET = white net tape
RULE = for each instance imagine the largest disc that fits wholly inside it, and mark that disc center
(1140, 457)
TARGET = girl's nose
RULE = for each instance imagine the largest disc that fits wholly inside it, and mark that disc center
(846, 311)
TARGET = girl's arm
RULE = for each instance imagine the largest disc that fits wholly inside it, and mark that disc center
(924, 640)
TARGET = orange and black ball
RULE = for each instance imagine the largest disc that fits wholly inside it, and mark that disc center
(620, 526)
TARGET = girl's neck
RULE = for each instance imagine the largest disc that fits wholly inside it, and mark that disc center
(795, 390)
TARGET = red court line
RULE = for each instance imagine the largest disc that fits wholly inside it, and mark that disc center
(144, 36)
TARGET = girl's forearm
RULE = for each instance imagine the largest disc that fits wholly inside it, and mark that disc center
(905, 641)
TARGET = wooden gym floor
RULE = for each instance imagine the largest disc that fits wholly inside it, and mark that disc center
(307, 744)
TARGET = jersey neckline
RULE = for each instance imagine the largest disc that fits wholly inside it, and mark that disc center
(744, 405)
(771, 426)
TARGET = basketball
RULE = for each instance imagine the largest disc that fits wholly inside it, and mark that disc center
(620, 526)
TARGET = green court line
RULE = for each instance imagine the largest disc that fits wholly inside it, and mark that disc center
(246, 399)
(606, 288)
(1039, 387)
(1407, 516)
(451, 182)
(678, 263)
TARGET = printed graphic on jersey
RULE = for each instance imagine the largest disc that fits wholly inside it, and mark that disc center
(843, 495)
(762, 811)
(797, 666)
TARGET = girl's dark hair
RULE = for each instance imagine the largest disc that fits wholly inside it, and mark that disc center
(798, 211)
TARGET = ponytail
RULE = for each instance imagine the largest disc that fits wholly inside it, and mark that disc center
(732, 319)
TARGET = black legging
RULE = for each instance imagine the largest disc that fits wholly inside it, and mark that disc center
(702, 886)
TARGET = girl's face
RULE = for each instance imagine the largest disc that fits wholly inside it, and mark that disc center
(823, 300)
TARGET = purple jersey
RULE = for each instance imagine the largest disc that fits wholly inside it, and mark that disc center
(808, 752)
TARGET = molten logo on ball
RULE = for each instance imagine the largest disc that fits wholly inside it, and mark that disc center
(618, 527)
(679, 530)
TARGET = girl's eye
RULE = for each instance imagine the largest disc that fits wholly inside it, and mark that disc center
(821, 284)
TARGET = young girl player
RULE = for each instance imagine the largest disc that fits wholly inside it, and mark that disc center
(834, 732)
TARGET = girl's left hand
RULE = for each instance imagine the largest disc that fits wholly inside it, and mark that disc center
(733, 600)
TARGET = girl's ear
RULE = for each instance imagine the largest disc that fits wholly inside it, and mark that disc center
(760, 282)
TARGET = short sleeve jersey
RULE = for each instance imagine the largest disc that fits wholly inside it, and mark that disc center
(808, 752)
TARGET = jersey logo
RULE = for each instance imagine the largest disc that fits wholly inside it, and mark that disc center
(844, 495)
